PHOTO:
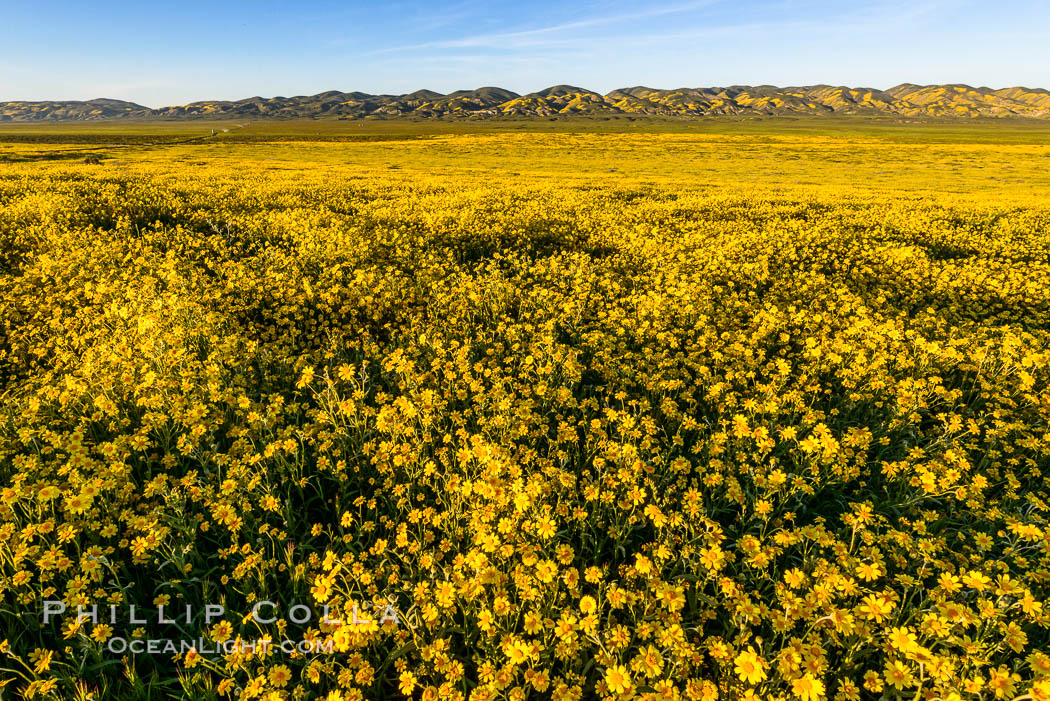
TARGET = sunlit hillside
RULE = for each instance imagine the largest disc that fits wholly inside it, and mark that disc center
(906, 100)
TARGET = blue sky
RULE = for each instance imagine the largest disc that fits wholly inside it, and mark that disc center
(170, 53)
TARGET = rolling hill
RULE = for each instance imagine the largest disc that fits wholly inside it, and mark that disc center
(100, 108)
(906, 100)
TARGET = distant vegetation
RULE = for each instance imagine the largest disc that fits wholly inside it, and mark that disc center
(906, 100)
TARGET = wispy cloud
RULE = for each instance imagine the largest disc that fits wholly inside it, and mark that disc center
(689, 38)
(867, 17)
(899, 11)
(545, 35)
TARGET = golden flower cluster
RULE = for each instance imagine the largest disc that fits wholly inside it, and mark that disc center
(586, 442)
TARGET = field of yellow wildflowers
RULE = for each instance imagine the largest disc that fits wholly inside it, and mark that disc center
(732, 414)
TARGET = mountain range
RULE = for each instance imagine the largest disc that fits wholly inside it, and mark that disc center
(906, 100)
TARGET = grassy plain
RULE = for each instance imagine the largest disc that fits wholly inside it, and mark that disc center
(601, 409)
(845, 156)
